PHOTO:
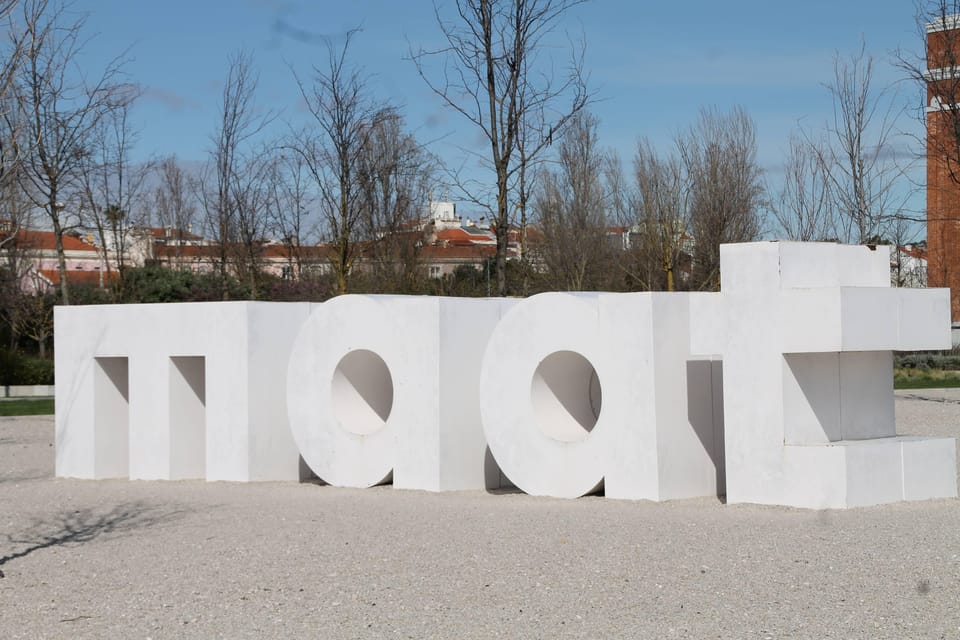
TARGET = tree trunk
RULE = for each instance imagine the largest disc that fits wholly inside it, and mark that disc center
(61, 261)
(503, 240)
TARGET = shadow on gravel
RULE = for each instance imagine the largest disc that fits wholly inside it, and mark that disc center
(84, 525)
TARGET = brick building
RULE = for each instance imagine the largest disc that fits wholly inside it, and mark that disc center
(943, 158)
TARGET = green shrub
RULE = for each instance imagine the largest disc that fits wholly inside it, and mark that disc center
(948, 361)
(159, 284)
(16, 368)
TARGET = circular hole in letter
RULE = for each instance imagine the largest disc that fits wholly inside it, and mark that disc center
(362, 392)
(566, 396)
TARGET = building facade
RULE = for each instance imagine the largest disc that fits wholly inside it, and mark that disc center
(943, 158)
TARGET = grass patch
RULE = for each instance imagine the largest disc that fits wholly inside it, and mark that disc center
(27, 407)
(925, 379)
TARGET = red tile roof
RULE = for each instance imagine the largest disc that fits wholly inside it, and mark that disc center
(46, 241)
(163, 233)
(462, 236)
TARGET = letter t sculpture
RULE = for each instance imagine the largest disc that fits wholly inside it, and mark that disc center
(806, 332)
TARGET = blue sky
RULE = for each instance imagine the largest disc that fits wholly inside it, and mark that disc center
(652, 65)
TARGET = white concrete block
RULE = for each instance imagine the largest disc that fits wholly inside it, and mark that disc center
(148, 391)
(866, 395)
(609, 395)
(680, 457)
(749, 266)
(187, 407)
(810, 320)
(870, 319)
(831, 319)
(689, 428)
(842, 474)
(929, 468)
(719, 439)
(874, 471)
(110, 443)
(814, 477)
(386, 387)
(270, 331)
(805, 265)
(838, 396)
(689, 431)
(708, 324)
(862, 473)
(924, 319)
(811, 398)
(808, 391)
(863, 265)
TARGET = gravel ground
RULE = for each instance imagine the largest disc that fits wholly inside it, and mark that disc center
(119, 559)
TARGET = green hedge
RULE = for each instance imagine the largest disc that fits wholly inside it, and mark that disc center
(949, 361)
(16, 368)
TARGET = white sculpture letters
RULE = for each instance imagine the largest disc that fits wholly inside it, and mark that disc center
(565, 392)
(806, 333)
(584, 389)
(382, 385)
(171, 391)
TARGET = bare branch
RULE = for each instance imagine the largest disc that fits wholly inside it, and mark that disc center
(492, 76)
(726, 190)
(61, 110)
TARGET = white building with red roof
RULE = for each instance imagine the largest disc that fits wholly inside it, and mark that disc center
(32, 254)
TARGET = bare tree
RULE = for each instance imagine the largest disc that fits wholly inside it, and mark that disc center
(112, 185)
(290, 206)
(16, 252)
(340, 107)
(394, 180)
(661, 206)
(805, 209)
(860, 159)
(492, 77)
(726, 192)
(63, 109)
(16, 215)
(12, 140)
(230, 198)
(250, 192)
(531, 131)
(572, 208)
(174, 206)
(11, 55)
(526, 180)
